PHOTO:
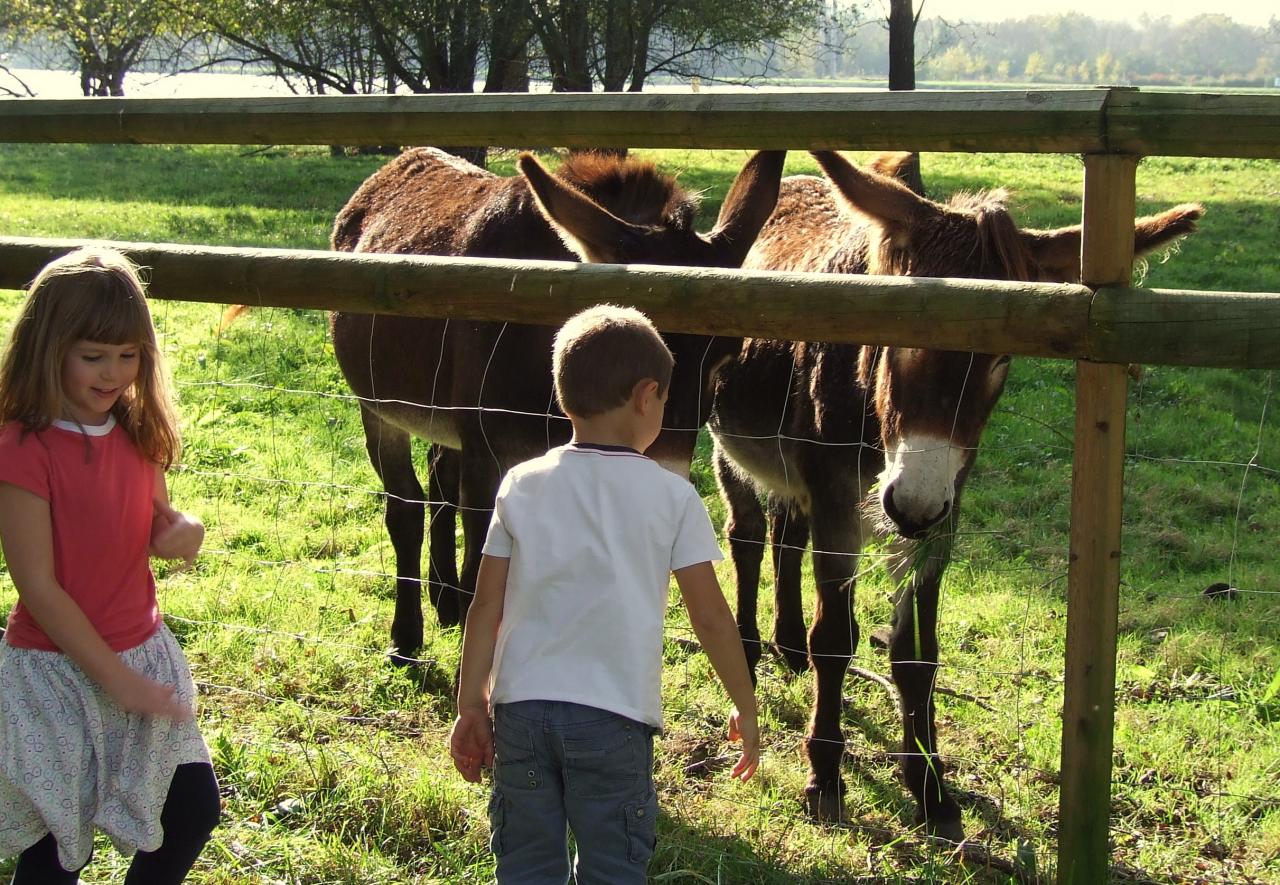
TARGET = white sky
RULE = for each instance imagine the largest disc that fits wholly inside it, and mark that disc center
(1249, 12)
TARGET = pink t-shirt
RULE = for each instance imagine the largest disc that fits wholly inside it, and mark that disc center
(99, 488)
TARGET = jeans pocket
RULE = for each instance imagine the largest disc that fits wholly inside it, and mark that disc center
(515, 762)
(642, 828)
(612, 761)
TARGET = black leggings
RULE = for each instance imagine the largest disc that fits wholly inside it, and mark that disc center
(190, 813)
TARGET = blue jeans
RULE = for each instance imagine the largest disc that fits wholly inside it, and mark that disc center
(561, 766)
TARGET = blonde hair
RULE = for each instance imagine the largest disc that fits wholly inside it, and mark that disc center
(91, 294)
(601, 353)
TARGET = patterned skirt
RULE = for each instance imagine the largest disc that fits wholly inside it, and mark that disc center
(71, 759)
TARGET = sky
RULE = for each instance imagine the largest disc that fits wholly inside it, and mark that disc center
(1249, 12)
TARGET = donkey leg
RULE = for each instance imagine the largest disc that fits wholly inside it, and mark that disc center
(832, 641)
(390, 452)
(745, 529)
(789, 533)
(913, 652)
(478, 487)
(442, 557)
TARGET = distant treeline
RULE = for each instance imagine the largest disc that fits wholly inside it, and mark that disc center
(1207, 50)
(358, 46)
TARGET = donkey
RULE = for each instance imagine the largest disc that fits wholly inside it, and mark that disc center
(846, 441)
(481, 392)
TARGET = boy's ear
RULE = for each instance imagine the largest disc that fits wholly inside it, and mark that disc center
(644, 388)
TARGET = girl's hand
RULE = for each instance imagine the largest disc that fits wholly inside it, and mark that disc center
(138, 694)
(175, 535)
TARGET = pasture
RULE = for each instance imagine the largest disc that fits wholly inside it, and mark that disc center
(333, 763)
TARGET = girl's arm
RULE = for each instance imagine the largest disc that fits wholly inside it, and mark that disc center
(26, 535)
(174, 535)
(471, 740)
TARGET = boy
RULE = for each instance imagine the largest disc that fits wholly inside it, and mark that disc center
(564, 637)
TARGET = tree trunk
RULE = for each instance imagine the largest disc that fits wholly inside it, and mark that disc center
(509, 36)
(902, 45)
(565, 33)
(902, 71)
(617, 51)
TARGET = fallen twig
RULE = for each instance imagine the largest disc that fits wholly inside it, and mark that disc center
(887, 684)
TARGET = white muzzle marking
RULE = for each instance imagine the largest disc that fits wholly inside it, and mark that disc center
(921, 471)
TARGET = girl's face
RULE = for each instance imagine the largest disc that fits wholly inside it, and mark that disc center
(94, 376)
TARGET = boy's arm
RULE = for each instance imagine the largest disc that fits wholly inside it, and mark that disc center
(718, 632)
(471, 741)
(26, 534)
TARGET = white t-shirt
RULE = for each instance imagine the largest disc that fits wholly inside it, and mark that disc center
(593, 534)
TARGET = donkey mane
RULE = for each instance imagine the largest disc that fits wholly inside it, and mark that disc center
(631, 189)
(981, 235)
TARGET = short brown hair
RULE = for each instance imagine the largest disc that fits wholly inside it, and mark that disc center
(601, 353)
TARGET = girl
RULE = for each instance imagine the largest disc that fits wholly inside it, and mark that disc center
(97, 702)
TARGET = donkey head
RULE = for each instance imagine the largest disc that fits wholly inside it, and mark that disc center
(933, 405)
(609, 210)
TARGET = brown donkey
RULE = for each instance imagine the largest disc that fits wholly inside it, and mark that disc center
(481, 392)
(848, 440)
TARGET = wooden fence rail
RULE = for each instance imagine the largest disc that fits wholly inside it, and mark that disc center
(1120, 324)
(1102, 120)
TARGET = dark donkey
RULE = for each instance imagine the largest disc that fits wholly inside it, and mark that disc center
(847, 440)
(481, 392)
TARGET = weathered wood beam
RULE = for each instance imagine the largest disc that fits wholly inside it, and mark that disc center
(1116, 324)
(951, 314)
(1048, 120)
(1193, 124)
(1239, 330)
(1093, 567)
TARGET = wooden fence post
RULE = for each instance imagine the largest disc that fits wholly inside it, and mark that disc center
(1093, 573)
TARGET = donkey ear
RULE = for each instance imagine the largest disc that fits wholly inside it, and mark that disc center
(1058, 251)
(902, 165)
(1159, 231)
(883, 199)
(747, 207)
(588, 229)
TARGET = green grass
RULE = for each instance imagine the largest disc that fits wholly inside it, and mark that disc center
(333, 762)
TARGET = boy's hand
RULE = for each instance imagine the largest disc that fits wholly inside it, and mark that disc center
(471, 744)
(175, 535)
(743, 727)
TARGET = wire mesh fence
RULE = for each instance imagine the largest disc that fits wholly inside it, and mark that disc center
(276, 465)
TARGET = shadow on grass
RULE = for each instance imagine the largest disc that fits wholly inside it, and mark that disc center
(687, 853)
(183, 175)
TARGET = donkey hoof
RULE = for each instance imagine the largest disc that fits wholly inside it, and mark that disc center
(949, 830)
(797, 661)
(824, 803)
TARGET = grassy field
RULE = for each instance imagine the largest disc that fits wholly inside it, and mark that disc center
(333, 764)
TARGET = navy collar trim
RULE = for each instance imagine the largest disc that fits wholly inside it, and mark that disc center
(600, 447)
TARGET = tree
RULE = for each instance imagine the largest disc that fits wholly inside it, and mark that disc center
(12, 29)
(902, 43)
(619, 44)
(1034, 69)
(105, 38)
(364, 46)
(902, 69)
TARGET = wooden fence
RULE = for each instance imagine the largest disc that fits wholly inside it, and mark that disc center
(1101, 325)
